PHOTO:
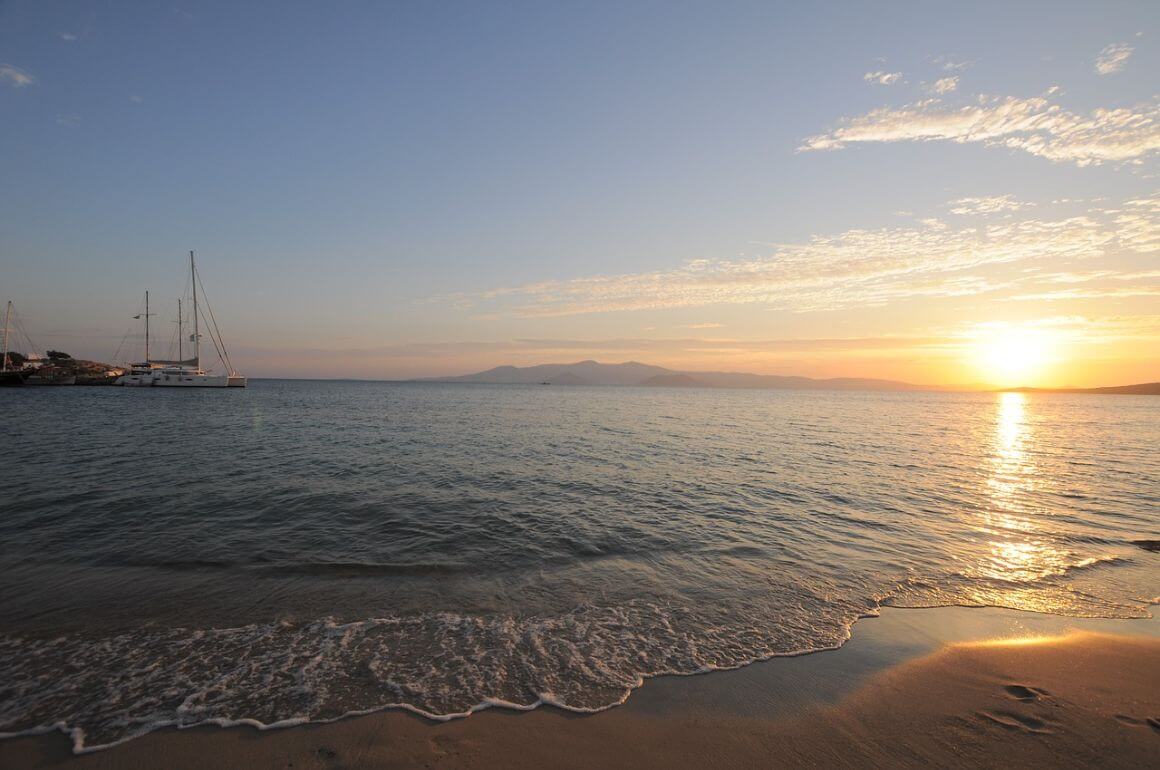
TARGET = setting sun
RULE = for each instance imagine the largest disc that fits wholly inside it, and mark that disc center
(1008, 355)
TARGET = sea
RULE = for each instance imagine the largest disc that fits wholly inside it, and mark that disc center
(300, 550)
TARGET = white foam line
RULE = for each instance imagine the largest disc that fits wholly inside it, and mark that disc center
(545, 699)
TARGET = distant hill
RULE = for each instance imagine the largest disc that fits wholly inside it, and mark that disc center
(1141, 389)
(567, 378)
(674, 381)
(635, 373)
(582, 372)
(647, 375)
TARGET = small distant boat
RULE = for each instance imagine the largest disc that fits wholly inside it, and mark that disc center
(184, 373)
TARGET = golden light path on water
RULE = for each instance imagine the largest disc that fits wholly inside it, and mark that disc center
(1016, 554)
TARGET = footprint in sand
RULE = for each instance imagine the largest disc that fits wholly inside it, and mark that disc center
(1152, 722)
(1011, 721)
(1022, 692)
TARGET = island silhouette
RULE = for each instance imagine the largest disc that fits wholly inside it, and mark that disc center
(591, 372)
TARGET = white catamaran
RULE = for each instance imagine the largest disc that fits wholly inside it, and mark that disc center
(185, 373)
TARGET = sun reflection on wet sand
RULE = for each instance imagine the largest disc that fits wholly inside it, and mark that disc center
(1020, 641)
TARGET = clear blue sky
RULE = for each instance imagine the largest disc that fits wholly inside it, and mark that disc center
(360, 178)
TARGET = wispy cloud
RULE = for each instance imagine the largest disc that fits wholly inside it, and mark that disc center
(136, 99)
(950, 64)
(991, 204)
(944, 85)
(1116, 292)
(68, 37)
(1033, 125)
(1113, 58)
(702, 326)
(1138, 223)
(855, 268)
(1087, 276)
(727, 343)
(882, 78)
(1097, 330)
(1077, 277)
(14, 76)
(68, 120)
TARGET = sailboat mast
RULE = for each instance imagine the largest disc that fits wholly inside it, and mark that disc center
(146, 326)
(180, 334)
(196, 335)
(7, 319)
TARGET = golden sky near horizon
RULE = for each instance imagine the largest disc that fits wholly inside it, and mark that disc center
(931, 193)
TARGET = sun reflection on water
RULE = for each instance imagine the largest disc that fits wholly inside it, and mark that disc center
(1015, 551)
(1012, 472)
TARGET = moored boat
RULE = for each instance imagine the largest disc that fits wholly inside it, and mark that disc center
(187, 377)
(185, 373)
(141, 374)
(51, 375)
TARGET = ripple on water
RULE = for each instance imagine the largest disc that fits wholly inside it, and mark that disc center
(299, 551)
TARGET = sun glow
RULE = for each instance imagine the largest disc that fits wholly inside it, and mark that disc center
(1013, 355)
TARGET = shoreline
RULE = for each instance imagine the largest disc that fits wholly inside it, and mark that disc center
(784, 696)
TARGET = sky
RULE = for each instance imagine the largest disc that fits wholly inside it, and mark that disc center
(944, 193)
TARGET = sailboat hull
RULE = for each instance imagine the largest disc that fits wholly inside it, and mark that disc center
(191, 380)
(51, 380)
(135, 380)
(237, 381)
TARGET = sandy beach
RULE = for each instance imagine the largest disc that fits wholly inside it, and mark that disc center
(942, 687)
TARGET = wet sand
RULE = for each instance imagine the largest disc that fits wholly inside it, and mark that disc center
(945, 687)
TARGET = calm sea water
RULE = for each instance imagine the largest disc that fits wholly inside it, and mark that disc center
(302, 550)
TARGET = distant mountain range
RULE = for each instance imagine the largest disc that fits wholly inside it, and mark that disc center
(635, 373)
